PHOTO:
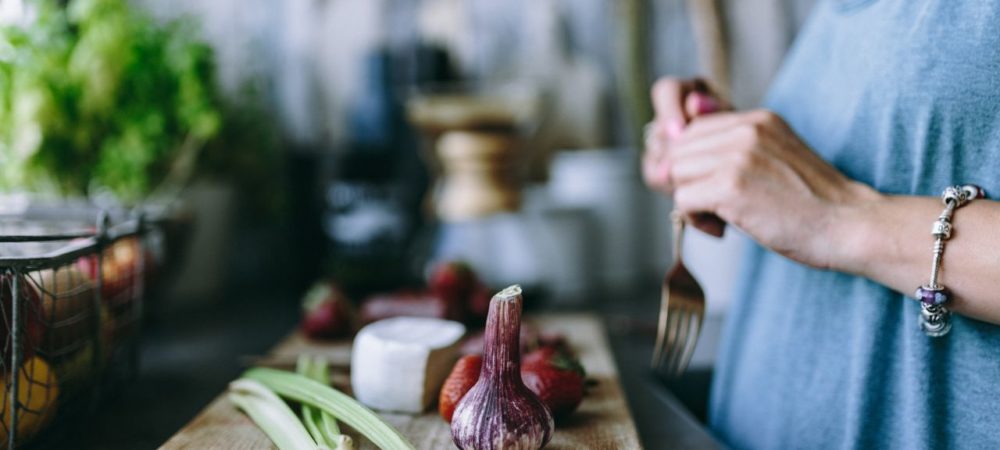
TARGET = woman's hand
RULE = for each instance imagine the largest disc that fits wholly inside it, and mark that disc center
(751, 170)
(676, 103)
(748, 169)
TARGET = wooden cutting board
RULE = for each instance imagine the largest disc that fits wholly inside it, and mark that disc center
(603, 420)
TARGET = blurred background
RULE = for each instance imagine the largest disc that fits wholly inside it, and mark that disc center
(364, 141)
(315, 126)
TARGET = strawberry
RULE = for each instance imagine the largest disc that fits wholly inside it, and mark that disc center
(463, 376)
(555, 340)
(326, 312)
(479, 301)
(454, 282)
(556, 377)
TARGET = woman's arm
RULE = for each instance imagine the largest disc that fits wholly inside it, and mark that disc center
(888, 239)
(751, 170)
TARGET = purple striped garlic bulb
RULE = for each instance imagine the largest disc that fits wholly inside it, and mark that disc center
(499, 412)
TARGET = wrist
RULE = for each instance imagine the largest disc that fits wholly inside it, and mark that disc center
(855, 237)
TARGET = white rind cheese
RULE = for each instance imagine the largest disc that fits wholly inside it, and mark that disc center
(399, 364)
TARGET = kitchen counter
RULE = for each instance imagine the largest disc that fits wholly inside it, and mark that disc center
(189, 358)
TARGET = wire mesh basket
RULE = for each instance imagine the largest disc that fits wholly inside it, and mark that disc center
(71, 299)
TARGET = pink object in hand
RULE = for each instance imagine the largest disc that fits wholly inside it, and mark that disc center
(704, 103)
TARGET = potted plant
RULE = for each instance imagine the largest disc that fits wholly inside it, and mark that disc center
(98, 97)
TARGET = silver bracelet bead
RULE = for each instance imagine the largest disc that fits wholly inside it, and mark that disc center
(941, 229)
(953, 194)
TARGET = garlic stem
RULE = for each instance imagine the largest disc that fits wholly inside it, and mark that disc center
(502, 343)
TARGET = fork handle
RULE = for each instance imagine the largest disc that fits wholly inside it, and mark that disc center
(678, 221)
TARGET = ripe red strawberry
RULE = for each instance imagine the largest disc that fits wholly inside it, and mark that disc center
(479, 301)
(463, 376)
(556, 377)
(326, 312)
(453, 280)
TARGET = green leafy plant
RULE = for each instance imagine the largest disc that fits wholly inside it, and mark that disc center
(97, 95)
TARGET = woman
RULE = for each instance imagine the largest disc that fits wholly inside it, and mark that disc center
(880, 105)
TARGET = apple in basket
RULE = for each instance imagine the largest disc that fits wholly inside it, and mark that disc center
(67, 308)
(118, 270)
(38, 395)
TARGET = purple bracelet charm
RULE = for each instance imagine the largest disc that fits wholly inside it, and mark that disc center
(934, 315)
(933, 297)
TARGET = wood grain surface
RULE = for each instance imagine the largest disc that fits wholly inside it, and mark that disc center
(603, 420)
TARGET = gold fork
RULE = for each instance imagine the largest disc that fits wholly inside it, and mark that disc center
(682, 308)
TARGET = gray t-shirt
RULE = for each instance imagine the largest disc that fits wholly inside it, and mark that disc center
(903, 95)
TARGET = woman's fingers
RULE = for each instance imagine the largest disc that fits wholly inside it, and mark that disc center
(676, 102)
(701, 165)
(668, 103)
(722, 139)
(691, 156)
(700, 197)
(674, 107)
(652, 159)
(699, 203)
(714, 123)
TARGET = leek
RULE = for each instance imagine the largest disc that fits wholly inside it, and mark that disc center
(271, 414)
(313, 393)
(309, 416)
(328, 424)
(321, 425)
